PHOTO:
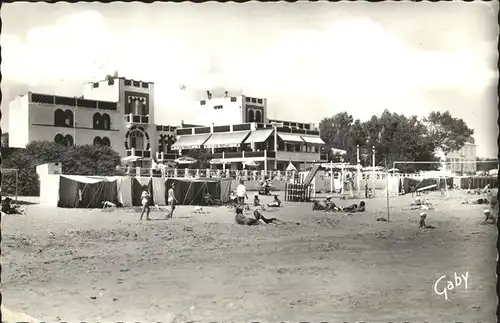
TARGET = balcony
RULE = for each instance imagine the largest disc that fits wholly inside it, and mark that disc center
(166, 156)
(139, 153)
(136, 119)
(243, 154)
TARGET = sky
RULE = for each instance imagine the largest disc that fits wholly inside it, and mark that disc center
(310, 60)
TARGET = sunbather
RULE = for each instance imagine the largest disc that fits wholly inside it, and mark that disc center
(275, 203)
(243, 220)
(9, 208)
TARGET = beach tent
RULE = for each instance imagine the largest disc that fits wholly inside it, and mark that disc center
(159, 190)
(191, 191)
(86, 192)
(137, 184)
(124, 190)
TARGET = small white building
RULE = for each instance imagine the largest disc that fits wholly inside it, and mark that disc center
(462, 160)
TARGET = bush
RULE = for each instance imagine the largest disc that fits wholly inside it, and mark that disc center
(76, 160)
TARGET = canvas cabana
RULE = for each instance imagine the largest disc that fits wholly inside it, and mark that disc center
(84, 192)
(191, 191)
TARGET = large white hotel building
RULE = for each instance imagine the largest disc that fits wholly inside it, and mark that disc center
(119, 112)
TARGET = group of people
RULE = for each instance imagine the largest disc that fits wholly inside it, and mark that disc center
(258, 218)
(146, 201)
(329, 206)
(9, 208)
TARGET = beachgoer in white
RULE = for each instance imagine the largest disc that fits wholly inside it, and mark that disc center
(241, 192)
(145, 202)
(106, 204)
(171, 200)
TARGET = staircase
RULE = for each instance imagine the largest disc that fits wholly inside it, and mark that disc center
(310, 176)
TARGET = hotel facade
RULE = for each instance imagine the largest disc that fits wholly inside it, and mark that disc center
(119, 113)
(462, 161)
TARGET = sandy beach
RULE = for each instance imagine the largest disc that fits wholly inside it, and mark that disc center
(89, 265)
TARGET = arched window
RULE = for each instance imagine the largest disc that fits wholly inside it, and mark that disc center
(136, 139)
(161, 143)
(59, 139)
(250, 116)
(68, 140)
(97, 141)
(68, 118)
(105, 121)
(106, 142)
(97, 120)
(258, 116)
(59, 118)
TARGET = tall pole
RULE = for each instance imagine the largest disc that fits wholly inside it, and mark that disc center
(387, 192)
(17, 182)
(357, 168)
(331, 177)
(373, 171)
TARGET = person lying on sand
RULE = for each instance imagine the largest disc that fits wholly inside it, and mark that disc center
(318, 206)
(361, 207)
(106, 204)
(490, 219)
(422, 223)
(258, 216)
(350, 208)
(9, 208)
(243, 220)
(275, 203)
(330, 205)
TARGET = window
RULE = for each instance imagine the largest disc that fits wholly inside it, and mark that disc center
(59, 118)
(97, 141)
(59, 139)
(68, 140)
(258, 116)
(105, 121)
(106, 141)
(259, 101)
(136, 140)
(96, 120)
(247, 99)
(250, 116)
(254, 100)
(63, 119)
(68, 118)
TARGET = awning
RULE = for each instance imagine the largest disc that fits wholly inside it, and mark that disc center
(190, 141)
(313, 140)
(259, 135)
(226, 139)
(291, 137)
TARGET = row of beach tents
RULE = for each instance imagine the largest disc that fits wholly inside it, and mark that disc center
(71, 191)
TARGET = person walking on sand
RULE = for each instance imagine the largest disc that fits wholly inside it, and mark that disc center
(171, 200)
(145, 196)
(241, 193)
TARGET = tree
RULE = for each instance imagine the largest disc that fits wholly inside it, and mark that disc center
(335, 132)
(402, 139)
(448, 133)
(77, 160)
